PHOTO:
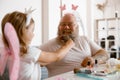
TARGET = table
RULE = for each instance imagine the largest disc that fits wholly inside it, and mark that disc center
(71, 76)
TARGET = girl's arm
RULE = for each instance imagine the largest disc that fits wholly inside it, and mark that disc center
(48, 57)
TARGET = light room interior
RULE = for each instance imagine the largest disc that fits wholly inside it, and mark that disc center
(100, 21)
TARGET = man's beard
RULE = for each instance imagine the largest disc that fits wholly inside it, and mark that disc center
(65, 35)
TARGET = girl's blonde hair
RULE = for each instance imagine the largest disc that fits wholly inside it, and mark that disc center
(18, 20)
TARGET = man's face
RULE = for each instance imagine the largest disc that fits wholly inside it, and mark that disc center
(67, 27)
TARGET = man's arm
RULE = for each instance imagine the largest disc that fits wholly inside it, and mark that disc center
(101, 56)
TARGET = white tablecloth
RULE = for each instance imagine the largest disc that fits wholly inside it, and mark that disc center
(71, 76)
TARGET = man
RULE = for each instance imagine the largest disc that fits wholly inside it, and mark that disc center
(83, 52)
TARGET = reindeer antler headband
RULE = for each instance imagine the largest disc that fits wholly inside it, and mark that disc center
(29, 15)
(74, 7)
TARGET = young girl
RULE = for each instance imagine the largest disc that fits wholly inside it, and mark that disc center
(31, 58)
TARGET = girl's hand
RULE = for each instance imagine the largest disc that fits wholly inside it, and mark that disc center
(70, 43)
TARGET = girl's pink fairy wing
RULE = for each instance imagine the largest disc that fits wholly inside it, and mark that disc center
(13, 64)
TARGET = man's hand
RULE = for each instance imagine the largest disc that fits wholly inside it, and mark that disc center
(86, 60)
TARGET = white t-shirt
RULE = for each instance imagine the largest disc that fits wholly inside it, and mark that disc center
(29, 67)
(83, 47)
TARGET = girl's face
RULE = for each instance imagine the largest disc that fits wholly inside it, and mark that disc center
(28, 33)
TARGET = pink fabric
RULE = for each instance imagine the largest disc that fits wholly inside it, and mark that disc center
(11, 55)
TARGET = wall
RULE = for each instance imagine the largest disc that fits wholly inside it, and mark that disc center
(7, 6)
(45, 20)
(54, 17)
(108, 12)
(109, 9)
